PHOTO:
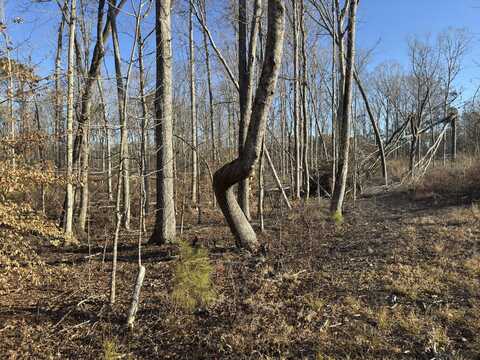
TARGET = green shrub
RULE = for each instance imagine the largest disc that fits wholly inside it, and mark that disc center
(193, 286)
(110, 351)
(337, 217)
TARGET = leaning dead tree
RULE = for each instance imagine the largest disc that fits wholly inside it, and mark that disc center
(240, 169)
(400, 138)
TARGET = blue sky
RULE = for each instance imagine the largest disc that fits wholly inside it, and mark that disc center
(387, 24)
(383, 24)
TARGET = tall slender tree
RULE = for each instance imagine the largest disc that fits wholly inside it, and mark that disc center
(336, 205)
(70, 101)
(165, 225)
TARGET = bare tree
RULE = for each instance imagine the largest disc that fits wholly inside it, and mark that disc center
(239, 169)
(193, 110)
(453, 44)
(70, 101)
(246, 72)
(344, 145)
(165, 227)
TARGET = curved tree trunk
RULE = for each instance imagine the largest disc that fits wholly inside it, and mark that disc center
(239, 169)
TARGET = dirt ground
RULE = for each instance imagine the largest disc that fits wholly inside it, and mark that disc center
(399, 279)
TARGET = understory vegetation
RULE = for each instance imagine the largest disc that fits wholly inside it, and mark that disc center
(244, 179)
(398, 278)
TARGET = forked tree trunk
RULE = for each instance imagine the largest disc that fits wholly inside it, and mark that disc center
(239, 169)
(165, 207)
(91, 79)
(338, 195)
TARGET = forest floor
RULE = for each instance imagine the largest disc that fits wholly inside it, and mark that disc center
(399, 279)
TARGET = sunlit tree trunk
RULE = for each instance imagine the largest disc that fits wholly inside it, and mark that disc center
(165, 227)
(305, 116)
(239, 169)
(144, 140)
(70, 88)
(296, 110)
(59, 150)
(336, 204)
(121, 103)
(193, 112)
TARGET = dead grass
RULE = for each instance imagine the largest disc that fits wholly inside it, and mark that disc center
(397, 280)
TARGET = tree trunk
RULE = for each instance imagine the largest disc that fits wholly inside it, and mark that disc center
(261, 190)
(454, 139)
(306, 172)
(239, 169)
(209, 85)
(246, 71)
(342, 173)
(193, 112)
(144, 140)
(70, 85)
(107, 141)
(59, 150)
(91, 79)
(121, 100)
(165, 227)
(296, 112)
(84, 190)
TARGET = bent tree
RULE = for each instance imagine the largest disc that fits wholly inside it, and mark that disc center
(240, 169)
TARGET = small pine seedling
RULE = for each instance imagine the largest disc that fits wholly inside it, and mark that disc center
(193, 286)
(337, 218)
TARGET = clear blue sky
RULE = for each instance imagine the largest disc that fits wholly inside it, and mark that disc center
(386, 25)
(383, 24)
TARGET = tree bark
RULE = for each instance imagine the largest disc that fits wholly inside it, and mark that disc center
(209, 85)
(144, 140)
(59, 153)
(193, 111)
(91, 79)
(246, 71)
(121, 100)
(239, 169)
(70, 85)
(296, 112)
(338, 195)
(165, 227)
(306, 172)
